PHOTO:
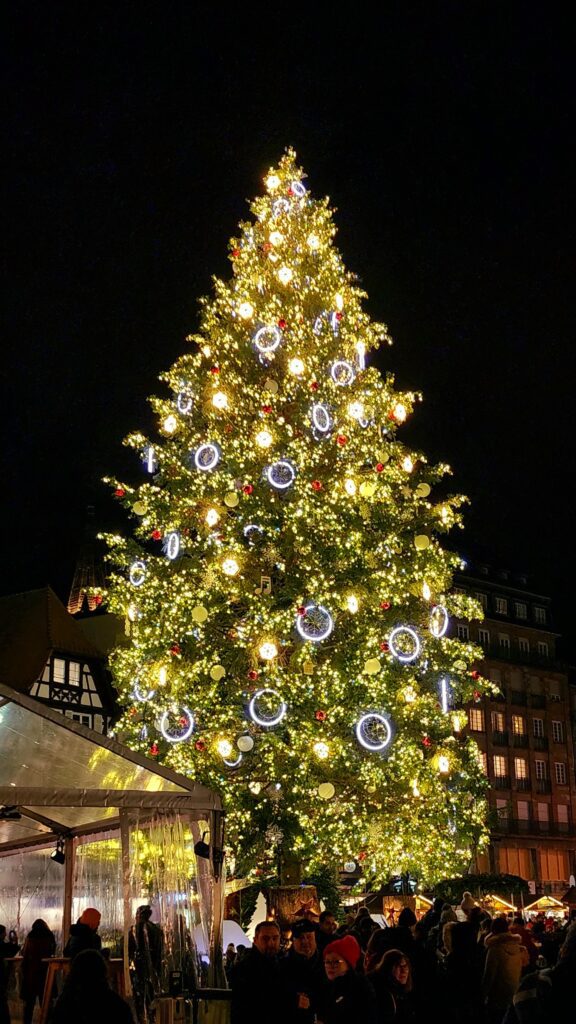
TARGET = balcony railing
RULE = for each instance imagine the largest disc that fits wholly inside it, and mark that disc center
(500, 738)
(520, 739)
(518, 697)
(537, 700)
(522, 785)
(531, 826)
(540, 742)
(501, 782)
(543, 786)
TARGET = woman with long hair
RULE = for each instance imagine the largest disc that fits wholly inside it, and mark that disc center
(391, 980)
(40, 944)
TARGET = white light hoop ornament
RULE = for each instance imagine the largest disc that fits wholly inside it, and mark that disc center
(207, 457)
(267, 339)
(280, 475)
(439, 621)
(137, 573)
(184, 403)
(150, 460)
(315, 624)
(444, 687)
(139, 694)
(280, 206)
(374, 732)
(233, 764)
(334, 322)
(172, 545)
(252, 531)
(404, 656)
(188, 729)
(342, 373)
(321, 418)
(271, 720)
(298, 189)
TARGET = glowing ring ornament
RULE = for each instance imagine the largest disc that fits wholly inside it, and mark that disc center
(403, 656)
(373, 732)
(188, 729)
(321, 418)
(272, 720)
(137, 573)
(267, 339)
(139, 694)
(172, 545)
(251, 532)
(207, 457)
(342, 373)
(281, 474)
(438, 620)
(150, 460)
(444, 687)
(298, 189)
(315, 624)
(184, 403)
(280, 206)
(233, 764)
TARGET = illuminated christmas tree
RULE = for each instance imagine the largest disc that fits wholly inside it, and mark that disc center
(286, 596)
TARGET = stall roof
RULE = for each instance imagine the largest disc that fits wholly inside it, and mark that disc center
(546, 903)
(64, 778)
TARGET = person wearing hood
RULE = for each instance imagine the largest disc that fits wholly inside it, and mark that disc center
(348, 998)
(39, 945)
(505, 956)
(84, 934)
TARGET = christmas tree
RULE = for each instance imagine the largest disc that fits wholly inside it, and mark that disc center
(286, 595)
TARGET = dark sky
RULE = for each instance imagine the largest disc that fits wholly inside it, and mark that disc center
(134, 132)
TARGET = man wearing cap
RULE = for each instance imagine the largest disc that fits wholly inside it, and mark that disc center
(303, 975)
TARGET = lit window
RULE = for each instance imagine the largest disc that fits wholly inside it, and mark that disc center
(520, 768)
(523, 810)
(501, 605)
(504, 641)
(521, 610)
(562, 814)
(482, 599)
(502, 809)
(538, 726)
(543, 812)
(518, 725)
(540, 769)
(463, 631)
(560, 772)
(59, 670)
(476, 719)
(500, 766)
(497, 721)
(558, 732)
(74, 673)
(523, 645)
(539, 614)
(482, 761)
(484, 637)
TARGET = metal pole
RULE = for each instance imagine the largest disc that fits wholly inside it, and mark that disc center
(69, 853)
(126, 893)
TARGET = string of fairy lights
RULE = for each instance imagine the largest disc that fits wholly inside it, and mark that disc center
(286, 596)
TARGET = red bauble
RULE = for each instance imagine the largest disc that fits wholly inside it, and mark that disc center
(153, 751)
(301, 610)
(341, 440)
(235, 253)
(266, 246)
(391, 416)
(362, 855)
(379, 467)
(200, 745)
(477, 694)
(98, 599)
(214, 369)
(426, 741)
(253, 674)
(281, 323)
(385, 605)
(384, 646)
(175, 649)
(320, 716)
(290, 191)
(317, 485)
(248, 488)
(314, 385)
(119, 492)
(266, 408)
(156, 534)
(339, 316)
(475, 674)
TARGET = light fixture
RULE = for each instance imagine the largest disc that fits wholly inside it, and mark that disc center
(58, 855)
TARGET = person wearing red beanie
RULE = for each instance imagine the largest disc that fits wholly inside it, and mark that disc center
(349, 997)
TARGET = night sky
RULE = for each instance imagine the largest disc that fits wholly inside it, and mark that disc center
(134, 133)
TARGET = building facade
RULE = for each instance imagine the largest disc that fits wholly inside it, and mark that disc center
(524, 731)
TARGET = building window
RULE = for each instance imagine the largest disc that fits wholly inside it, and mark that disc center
(502, 809)
(501, 605)
(458, 590)
(476, 719)
(523, 810)
(497, 721)
(562, 814)
(539, 614)
(558, 732)
(495, 675)
(484, 637)
(538, 726)
(500, 766)
(542, 648)
(482, 599)
(540, 769)
(520, 768)
(518, 725)
(560, 772)
(74, 673)
(463, 631)
(554, 692)
(523, 645)
(483, 761)
(521, 610)
(504, 641)
(59, 670)
(543, 812)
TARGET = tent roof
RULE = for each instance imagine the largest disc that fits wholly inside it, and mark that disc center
(67, 779)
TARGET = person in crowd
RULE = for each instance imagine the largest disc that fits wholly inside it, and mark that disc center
(548, 995)
(519, 928)
(84, 934)
(435, 942)
(303, 978)
(363, 927)
(7, 951)
(327, 926)
(348, 997)
(502, 969)
(229, 959)
(240, 951)
(40, 944)
(392, 982)
(457, 968)
(87, 997)
(145, 949)
(466, 906)
(431, 918)
(256, 981)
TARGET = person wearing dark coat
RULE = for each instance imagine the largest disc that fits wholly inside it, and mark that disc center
(40, 944)
(7, 951)
(84, 934)
(392, 983)
(256, 981)
(349, 997)
(87, 997)
(303, 975)
(145, 949)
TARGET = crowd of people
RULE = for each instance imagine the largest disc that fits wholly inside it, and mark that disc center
(459, 965)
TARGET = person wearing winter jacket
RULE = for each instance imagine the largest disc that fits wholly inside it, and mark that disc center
(548, 995)
(84, 934)
(349, 998)
(39, 945)
(505, 956)
(392, 984)
(87, 997)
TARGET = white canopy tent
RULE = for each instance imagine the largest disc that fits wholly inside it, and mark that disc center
(60, 782)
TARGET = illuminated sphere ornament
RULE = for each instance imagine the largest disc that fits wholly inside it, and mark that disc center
(372, 666)
(230, 567)
(407, 464)
(267, 708)
(342, 373)
(137, 573)
(296, 367)
(207, 457)
(352, 603)
(170, 424)
(421, 541)
(246, 310)
(281, 475)
(217, 672)
(438, 620)
(313, 242)
(272, 182)
(245, 744)
(322, 750)
(349, 866)
(231, 499)
(276, 238)
(326, 790)
(443, 764)
(177, 726)
(285, 275)
(220, 400)
(224, 748)
(199, 613)
(264, 439)
(268, 650)
(212, 517)
(404, 644)
(315, 624)
(399, 412)
(374, 732)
